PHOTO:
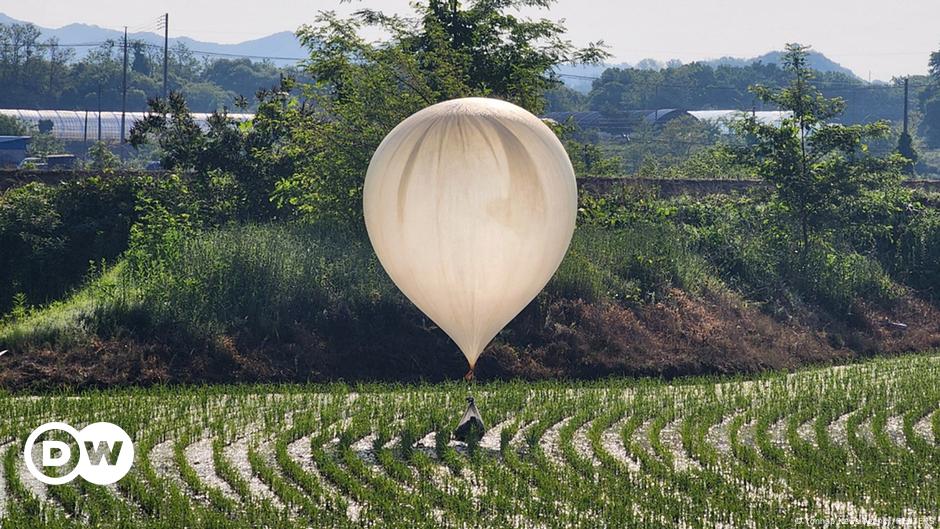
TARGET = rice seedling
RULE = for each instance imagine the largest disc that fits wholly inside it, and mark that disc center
(852, 446)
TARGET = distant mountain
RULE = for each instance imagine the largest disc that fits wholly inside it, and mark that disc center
(283, 44)
(815, 59)
(579, 77)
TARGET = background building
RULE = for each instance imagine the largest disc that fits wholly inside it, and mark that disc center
(13, 149)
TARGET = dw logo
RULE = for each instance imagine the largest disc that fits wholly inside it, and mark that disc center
(105, 453)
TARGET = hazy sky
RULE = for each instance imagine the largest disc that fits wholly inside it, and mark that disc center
(881, 37)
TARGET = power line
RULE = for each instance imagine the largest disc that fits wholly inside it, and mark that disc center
(151, 26)
(213, 53)
(245, 56)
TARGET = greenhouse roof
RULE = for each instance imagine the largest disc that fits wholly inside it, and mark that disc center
(76, 125)
(619, 123)
(767, 117)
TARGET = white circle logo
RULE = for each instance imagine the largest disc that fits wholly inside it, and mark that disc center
(105, 453)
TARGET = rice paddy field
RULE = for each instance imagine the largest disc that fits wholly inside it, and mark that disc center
(853, 446)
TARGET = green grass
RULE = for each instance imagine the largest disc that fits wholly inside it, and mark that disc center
(262, 279)
(744, 459)
(77, 317)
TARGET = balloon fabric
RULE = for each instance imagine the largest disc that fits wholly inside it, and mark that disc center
(470, 205)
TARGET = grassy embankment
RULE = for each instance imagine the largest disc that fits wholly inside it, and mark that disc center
(650, 286)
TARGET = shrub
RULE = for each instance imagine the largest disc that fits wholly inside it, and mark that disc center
(634, 263)
(50, 234)
(917, 259)
(838, 279)
(750, 246)
(259, 278)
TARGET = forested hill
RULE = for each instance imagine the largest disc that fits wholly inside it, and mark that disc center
(80, 66)
(816, 60)
(580, 77)
(726, 86)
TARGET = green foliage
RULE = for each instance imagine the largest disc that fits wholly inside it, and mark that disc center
(680, 148)
(20, 309)
(717, 162)
(930, 125)
(41, 73)
(588, 159)
(930, 102)
(167, 213)
(817, 168)
(678, 452)
(917, 254)
(175, 130)
(49, 234)
(648, 246)
(363, 89)
(906, 149)
(309, 155)
(44, 144)
(11, 126)
(100, 157)
(627, 251)
(232, 165)
(259, 278)
(564, 99)
(701, 86)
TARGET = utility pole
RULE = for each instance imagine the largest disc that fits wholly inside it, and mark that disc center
(166, 49)
(99, 110)
(51, 68)
(124, 90)
(905, 105)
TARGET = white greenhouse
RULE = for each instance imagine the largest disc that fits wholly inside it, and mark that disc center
(79, 125)
(723, 118)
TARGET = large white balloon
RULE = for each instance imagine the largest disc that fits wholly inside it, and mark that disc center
(470, 205)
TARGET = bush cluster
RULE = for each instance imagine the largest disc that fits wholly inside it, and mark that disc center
(50, 235)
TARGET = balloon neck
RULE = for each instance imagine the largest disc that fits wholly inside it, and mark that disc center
(469, 376)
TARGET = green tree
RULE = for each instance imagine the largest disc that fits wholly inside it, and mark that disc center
(309, 145)
(242, 76)
(101, 158)
(588, 159)
(906, 149)
(702, 86)
(930, 126)
(140, 62)
(563, 99)
(171, 124)
(11, 126)
(818, 169)
(248, 157)
(43, 144)
(363, 89)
